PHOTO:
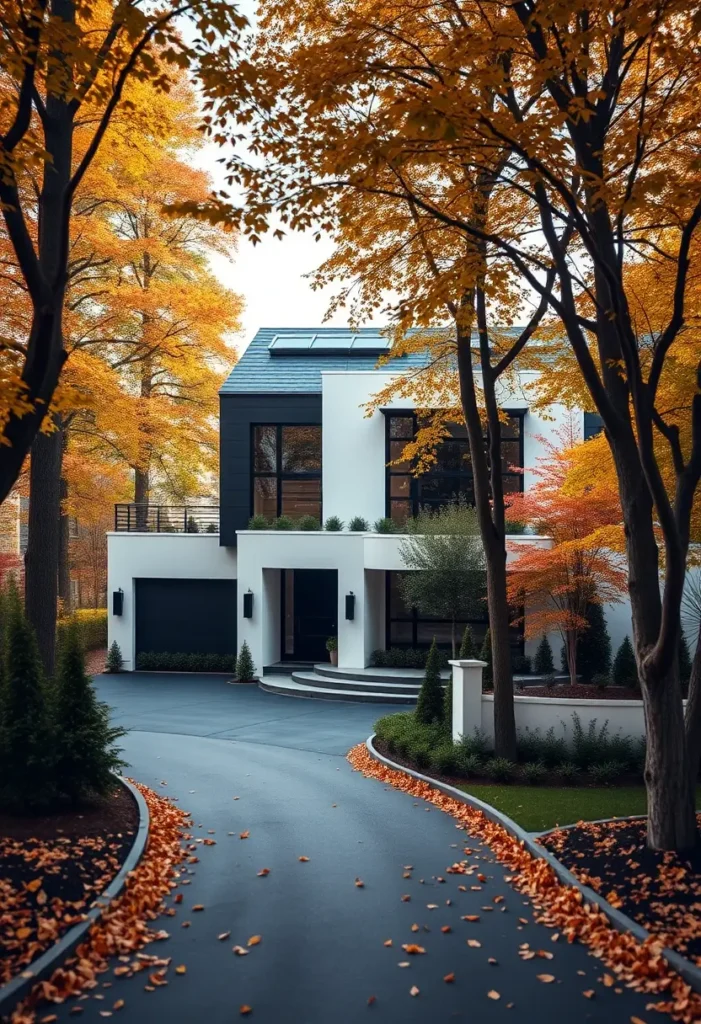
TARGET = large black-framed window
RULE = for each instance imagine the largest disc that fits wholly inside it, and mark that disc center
(286, 470)
(451, 475)
(405, 627)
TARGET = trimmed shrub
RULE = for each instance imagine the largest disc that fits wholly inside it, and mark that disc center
(486, 655)
(550, 681)
(212, 528)
(385, 525)
(308, 523)
(625, 671)
(534, 772)
(91, 624)
(543, 664)
(86, 755)
(27, 762)
(259, 522)
(467, 644)
(568, 772)
(601, 681)
(475, 744)
(358, 525)
(405, 657)
(153, 661)
(245, 669)
(595, 746)
(470, 765)
(192, 526)
(429, 706)
(444, 758)
(521, 664)
(500, 769)
(333, 524)
(283, 523)
(550, 749)
(606, 772)
(115, 662)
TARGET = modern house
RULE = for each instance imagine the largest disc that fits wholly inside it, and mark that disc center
(295, 441)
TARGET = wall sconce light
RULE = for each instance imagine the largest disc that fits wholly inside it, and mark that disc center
(350, 605)
(118, 602)
(248, 605)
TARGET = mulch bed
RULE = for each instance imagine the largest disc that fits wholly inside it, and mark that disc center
(51, 870)
(580, 691)
(95, 661)
(661, 891)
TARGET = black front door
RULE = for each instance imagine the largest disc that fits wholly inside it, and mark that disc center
(314, 598)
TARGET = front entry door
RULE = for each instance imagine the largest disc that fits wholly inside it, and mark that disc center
(315, 607)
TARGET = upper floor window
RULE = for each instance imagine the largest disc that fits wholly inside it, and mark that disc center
(450, 477)
(286, 464)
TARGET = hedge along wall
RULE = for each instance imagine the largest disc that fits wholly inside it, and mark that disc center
(542, 713)
(92, 627)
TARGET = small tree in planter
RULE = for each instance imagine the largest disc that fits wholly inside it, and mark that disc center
(430, 705)
(332, 648)
(85, 741)
(245, 669)
(115, 662)
(543, 663)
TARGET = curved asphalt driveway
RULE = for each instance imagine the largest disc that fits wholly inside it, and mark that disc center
(322, 954)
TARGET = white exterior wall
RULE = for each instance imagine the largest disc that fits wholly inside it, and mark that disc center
(132, 556)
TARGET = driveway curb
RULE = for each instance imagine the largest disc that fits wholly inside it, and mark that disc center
(621, 922)
(14, 991)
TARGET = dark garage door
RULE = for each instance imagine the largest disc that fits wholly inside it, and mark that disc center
(186, 616)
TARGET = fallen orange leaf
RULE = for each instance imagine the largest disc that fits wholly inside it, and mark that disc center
(470, 917)
(303, 859)
(118, 1004)
(589, 993)
(23, 933)
(178, 898)
(263, 872)
(412, 948)
(388, 942)
(198, 906)
(359, 883)
(223, 935)
(371, 1000)
(493, 994)
(240, 951)
(449, 977)
(32, 887)
(244, 835)
(547, 979)
(414, 927)
(474, 943)
(414, 990)
(255, 940)
(245, 1010)
(181, 969)
(446, 928)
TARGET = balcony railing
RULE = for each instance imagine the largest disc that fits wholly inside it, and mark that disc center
(146, 518)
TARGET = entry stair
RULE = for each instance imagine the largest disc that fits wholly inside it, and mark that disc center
(357, 685)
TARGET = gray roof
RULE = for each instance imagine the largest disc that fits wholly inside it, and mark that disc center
(258, 371)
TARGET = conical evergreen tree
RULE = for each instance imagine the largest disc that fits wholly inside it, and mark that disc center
(594, 645)
(429, 707)
(486, 655)
(625, 671)
(86, 755)
(114, 658)
(543, 664)
(245, 669)
(27, 780)
(467, 645)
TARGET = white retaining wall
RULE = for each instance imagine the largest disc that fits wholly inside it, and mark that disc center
(542, 713)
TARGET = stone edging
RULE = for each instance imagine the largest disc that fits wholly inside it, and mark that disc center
(41, 968)
(621, 922)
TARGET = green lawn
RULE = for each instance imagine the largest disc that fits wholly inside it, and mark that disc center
(536, 809)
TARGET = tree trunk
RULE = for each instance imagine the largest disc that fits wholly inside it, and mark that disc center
(671, 797)
(692, 718)
(64, 573)
(571, 653)
(41, 562)
(504, 717)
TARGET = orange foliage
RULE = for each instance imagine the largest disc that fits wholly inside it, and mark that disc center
(582, 566)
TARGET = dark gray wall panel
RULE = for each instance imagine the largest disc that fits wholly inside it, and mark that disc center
(186, 616)
(237, 413)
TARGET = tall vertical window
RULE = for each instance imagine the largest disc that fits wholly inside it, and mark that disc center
(450, 477)
(286, 463)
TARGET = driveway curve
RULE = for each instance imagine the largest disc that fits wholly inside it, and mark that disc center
(323, 953)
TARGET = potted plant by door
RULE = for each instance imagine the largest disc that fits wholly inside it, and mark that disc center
(332, 648)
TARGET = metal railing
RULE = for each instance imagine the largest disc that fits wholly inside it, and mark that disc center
(147, 518)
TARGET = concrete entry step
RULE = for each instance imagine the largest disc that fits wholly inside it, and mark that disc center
(291, 688)
(364, 686)
(395, 676)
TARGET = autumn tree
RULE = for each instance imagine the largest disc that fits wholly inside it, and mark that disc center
(65, 65)
(582, 121)
(558, 584)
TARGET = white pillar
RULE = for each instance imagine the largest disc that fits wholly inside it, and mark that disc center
(467, 696)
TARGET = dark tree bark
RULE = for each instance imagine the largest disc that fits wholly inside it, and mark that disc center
(41, 560)
(64, 569)
(692, 717)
